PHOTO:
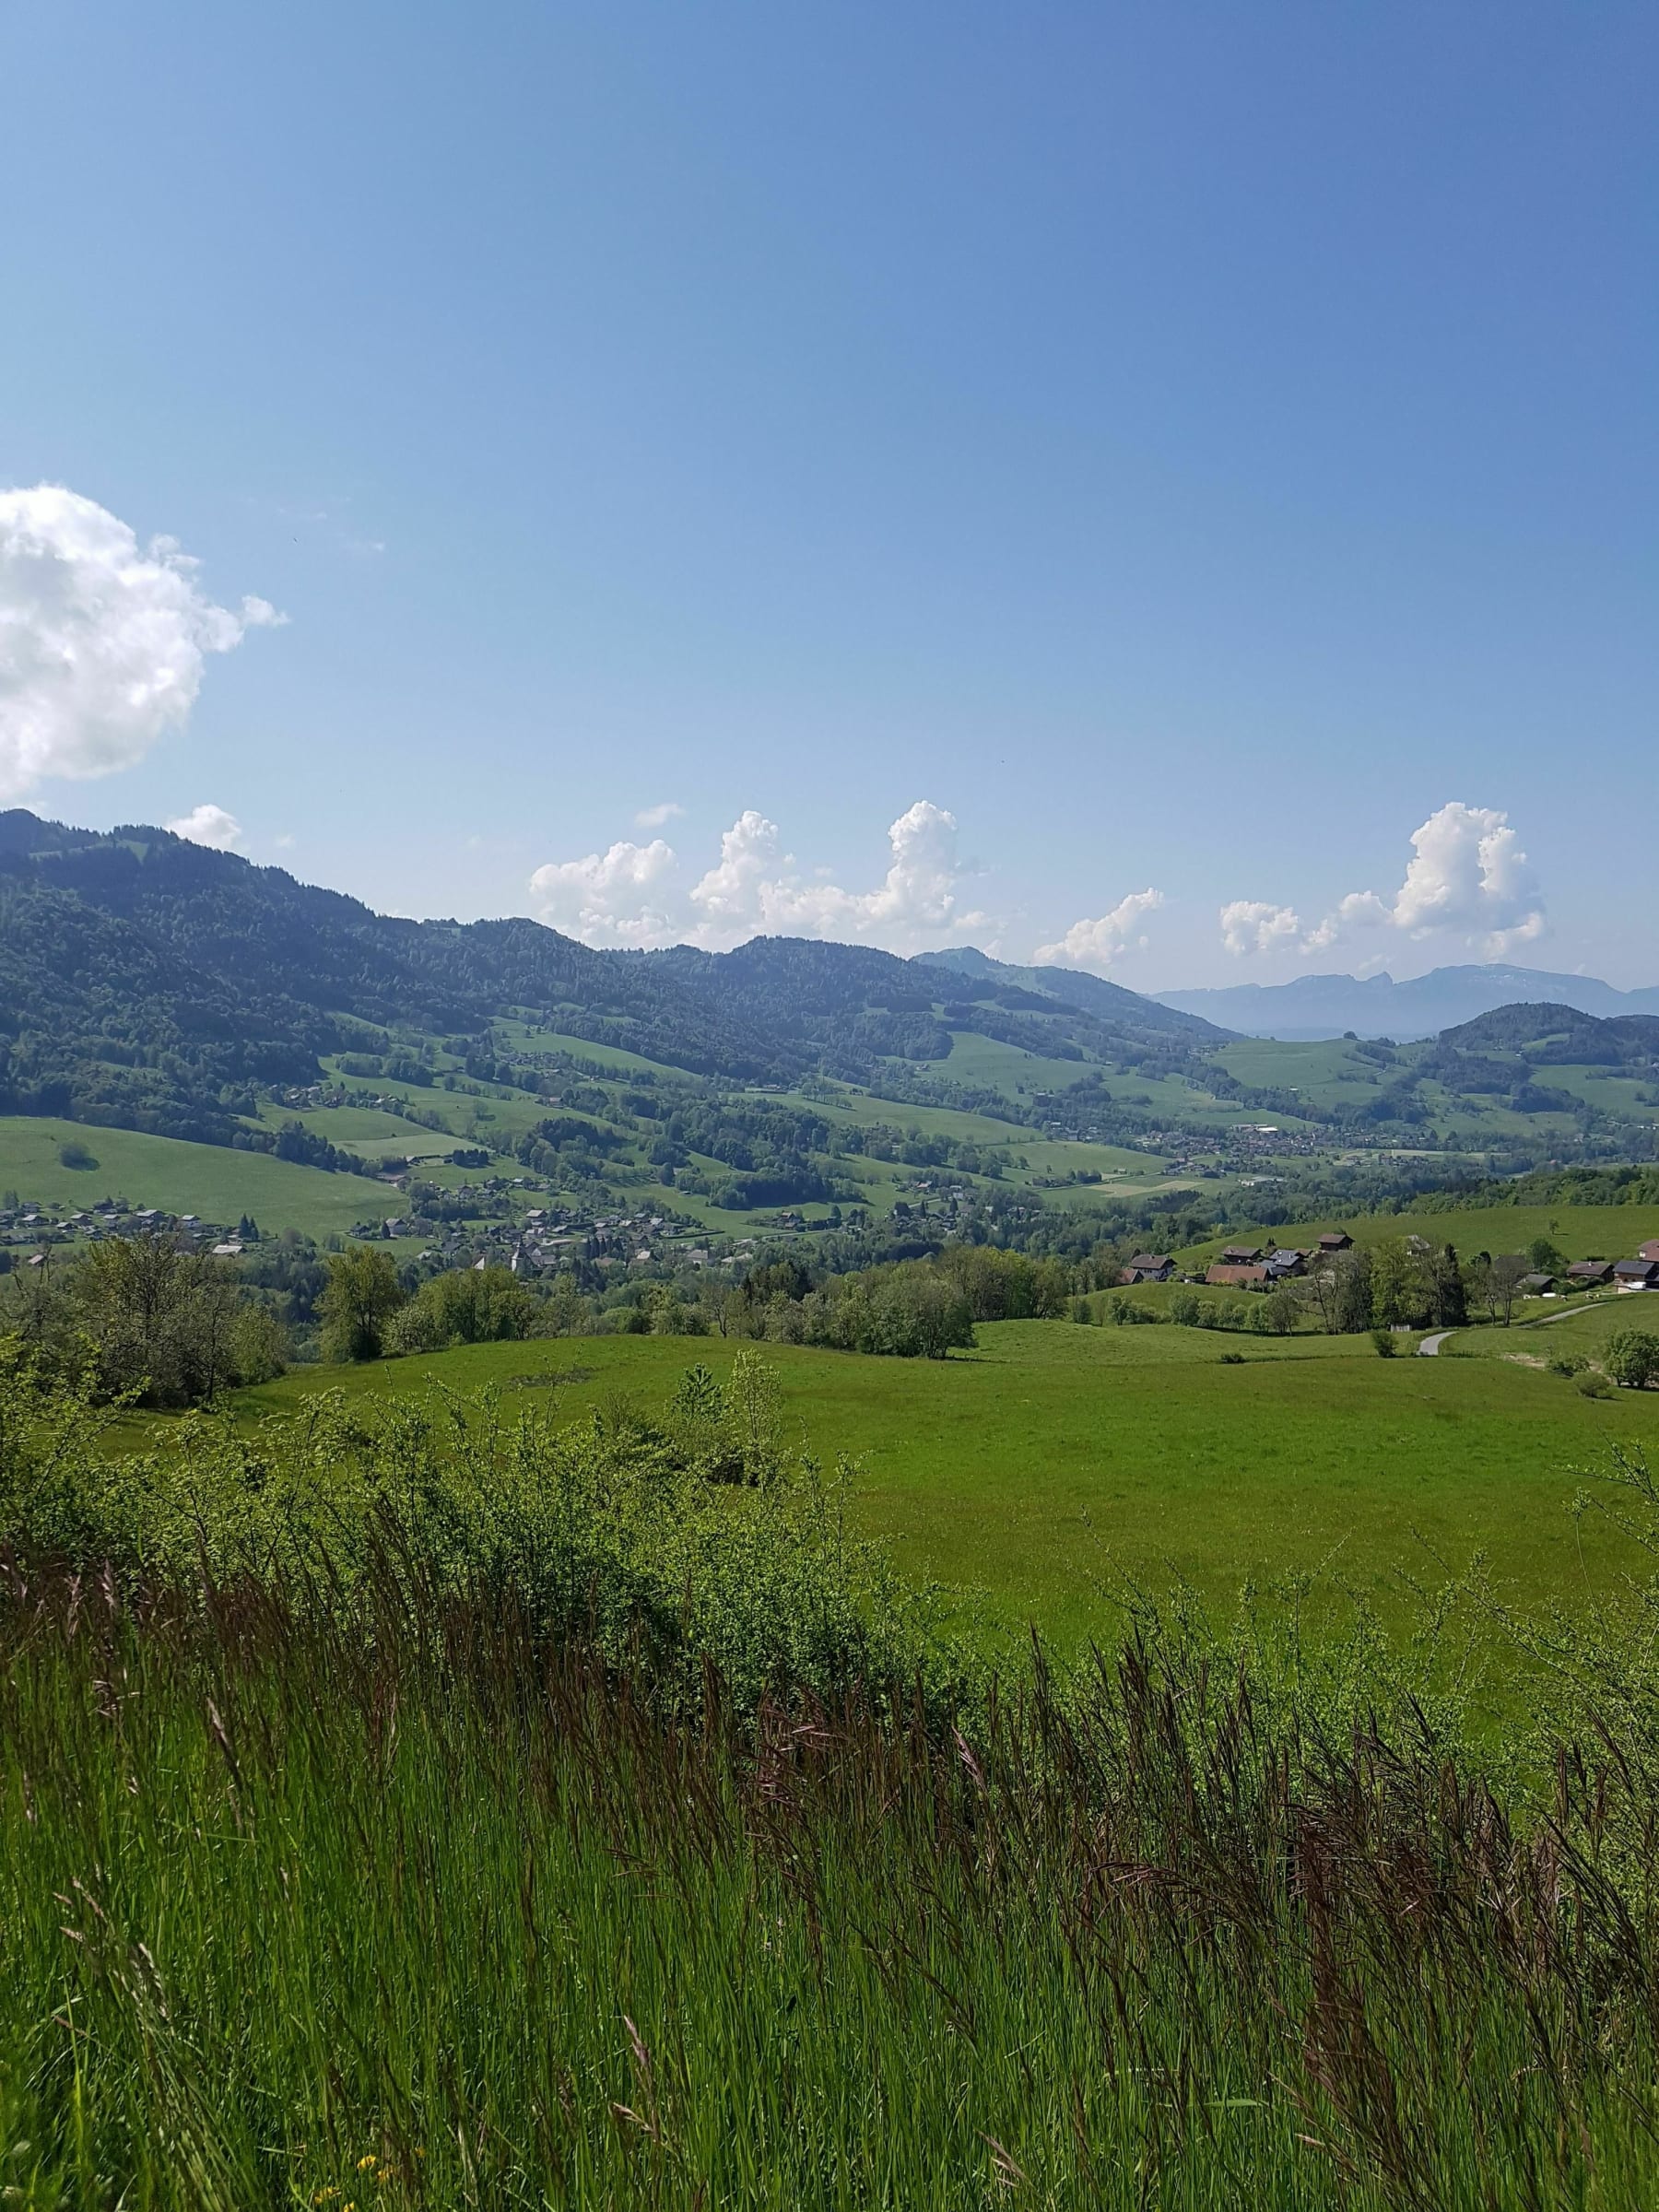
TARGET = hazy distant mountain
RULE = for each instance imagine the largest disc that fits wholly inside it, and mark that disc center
(1075, 987)
(1375, 1006)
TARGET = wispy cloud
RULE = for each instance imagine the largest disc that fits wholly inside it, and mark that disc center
(653, 817)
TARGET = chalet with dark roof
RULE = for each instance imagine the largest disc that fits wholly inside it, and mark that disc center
(1148, 1267)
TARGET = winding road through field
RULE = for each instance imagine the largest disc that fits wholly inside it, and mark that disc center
(1429, 1347)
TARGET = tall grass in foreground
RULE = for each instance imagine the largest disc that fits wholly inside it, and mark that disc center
(397, 1901)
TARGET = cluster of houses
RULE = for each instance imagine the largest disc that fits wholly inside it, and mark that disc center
(40, 1227)
(1244, 1267)
(1255, 1267)
(1642, 1272)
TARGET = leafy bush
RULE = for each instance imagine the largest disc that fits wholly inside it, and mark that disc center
(687, 1536)
(1568, 1364)
(1632, 1357)
(1385, 1343)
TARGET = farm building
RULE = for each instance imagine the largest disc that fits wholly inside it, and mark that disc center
(1336, 1240)
(1230, 1277)
(1637, 1274)
(1149, 1267)
(1588, 1274)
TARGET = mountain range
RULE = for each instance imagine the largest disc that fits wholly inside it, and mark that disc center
(149, 982)
(1375, 1006)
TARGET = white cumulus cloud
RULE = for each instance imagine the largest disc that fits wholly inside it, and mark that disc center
(1469, 874)
(652, 818)
(208, 825)
(613, 898)
(1257, 925)
(1098, 943)
(102, 640)
(630, 895)
(1468, 879)
(755, 888)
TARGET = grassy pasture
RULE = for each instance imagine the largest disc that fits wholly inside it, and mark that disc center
(1582, 1233)
(1006, 1067)
(181, 1178)
(364, 1130)
(615, 1057)
(863, 1110)
(1056, 1459)
(1553, 1326)
(1315, 1071)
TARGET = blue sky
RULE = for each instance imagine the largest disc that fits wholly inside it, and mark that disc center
(1195, 449)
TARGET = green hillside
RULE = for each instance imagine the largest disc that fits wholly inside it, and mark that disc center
(181, 1178)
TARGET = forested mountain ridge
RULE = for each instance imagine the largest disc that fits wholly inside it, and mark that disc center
(149, 982)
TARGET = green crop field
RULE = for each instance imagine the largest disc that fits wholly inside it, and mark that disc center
(1056, 1460)
(210, 1179)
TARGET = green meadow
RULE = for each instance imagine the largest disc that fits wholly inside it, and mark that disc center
(184, 1178)
(1042, 1473)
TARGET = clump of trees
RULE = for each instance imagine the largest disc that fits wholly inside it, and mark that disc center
(148, 1320)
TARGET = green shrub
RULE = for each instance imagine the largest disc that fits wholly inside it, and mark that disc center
(1568, 1364)
(1632, 1357)
(1385, 1343)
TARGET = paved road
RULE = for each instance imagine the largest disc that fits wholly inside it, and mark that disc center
(1429, 1347)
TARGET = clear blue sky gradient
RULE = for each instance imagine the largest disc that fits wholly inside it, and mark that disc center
(1191, 444)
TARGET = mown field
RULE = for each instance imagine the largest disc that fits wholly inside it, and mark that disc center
(1055, 1463)
(181, 1178)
